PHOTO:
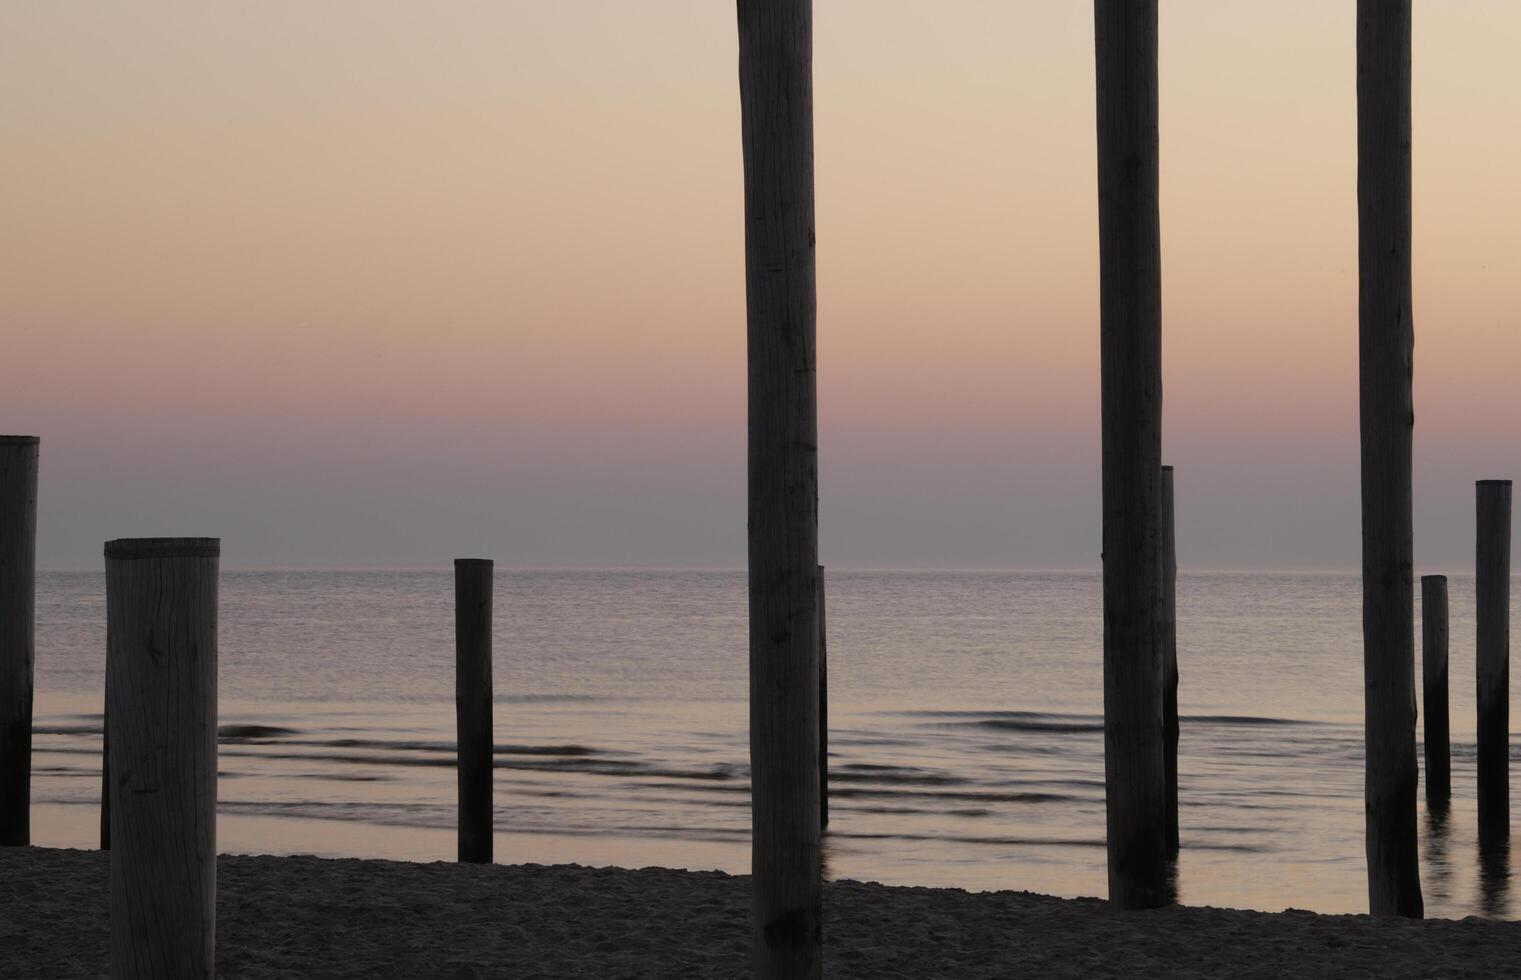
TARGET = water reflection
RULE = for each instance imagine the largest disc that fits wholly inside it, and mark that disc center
(1438, 860)
(1494, 871)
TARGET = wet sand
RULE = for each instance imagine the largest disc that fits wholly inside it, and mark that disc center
(309, 917)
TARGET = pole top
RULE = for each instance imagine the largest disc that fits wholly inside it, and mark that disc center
(474, 562)
(1166, 467)
(19, 440)
(1434, 578)
(132, 548)
(1493, 483)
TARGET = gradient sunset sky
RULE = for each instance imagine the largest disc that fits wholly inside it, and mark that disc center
(381, 282)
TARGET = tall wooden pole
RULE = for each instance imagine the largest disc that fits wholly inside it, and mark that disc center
(1170, 728)
(776, 102)
(1492, 655)
(18, 589)
(1386, 340)
(823, 709)
(472, 705)
(1434, 672)
(1130, 334)
(161, 698)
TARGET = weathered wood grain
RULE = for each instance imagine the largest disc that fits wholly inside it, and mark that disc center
(776, 103)
(823, 709)
(1386, 339)
(1130, 341)
(161, 697)
(475, 734)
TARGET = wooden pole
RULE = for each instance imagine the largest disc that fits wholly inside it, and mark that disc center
(161, 697)
(1130, 335)
(1434, 672)
(1170, 728)
(776, 103)
(18, 590)
(823, 709)
(105, 778)
(1386, 340)
(1492, 654)
(472, 705)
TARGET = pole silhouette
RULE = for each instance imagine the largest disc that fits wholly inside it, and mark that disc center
(776, 103)
(1434, 674)
(1492, 655)
(474, 732)
(823, 709)
(1130, 341)
(18, 592)
(161, 696)
(1386, 339)
(1170, 728)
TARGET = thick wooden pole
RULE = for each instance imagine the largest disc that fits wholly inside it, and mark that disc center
(1170, 728)
(776, 102)
(1386, 340)
(18, 589)
(472, 705)
(161, 697)
(1434, 672)
(1492, 654)
(1130, 334)
(823, 709)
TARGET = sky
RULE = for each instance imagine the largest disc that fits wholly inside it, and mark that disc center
(373, 282)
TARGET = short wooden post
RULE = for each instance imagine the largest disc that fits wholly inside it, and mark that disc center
(823, 710)
(1170, 728)
(18, 574)
(1434, 674)
(473, 580)
(1386, 339)
(1492, 653)
(161, 703)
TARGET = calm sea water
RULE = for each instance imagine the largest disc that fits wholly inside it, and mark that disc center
(966, 739)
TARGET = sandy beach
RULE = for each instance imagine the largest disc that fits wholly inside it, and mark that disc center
(311, 917)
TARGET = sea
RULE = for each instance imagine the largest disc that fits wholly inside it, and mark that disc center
(966, 730)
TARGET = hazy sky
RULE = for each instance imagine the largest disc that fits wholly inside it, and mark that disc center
(382, 282)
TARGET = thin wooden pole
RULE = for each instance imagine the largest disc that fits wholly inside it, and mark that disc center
(105, 779)
(161, 697)
(18, 590)
(1170, 728)
(1386, 341)
(472, 705)
(1434, 673)
(823, 709)
(1130, 341)
(1492, 654)
(776, 103)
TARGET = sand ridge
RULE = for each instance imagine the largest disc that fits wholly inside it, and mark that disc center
(321, 918)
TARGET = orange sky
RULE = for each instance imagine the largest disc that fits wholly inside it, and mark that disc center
(310, 252)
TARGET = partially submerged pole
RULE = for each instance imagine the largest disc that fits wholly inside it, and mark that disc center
(1170, 729)
(1434, 674)
(776, 102)
(472, 705)
(1492, 654)
(823, 709)
(1130, 335)
(1386, 341)
(161, 697)
(18, 574)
